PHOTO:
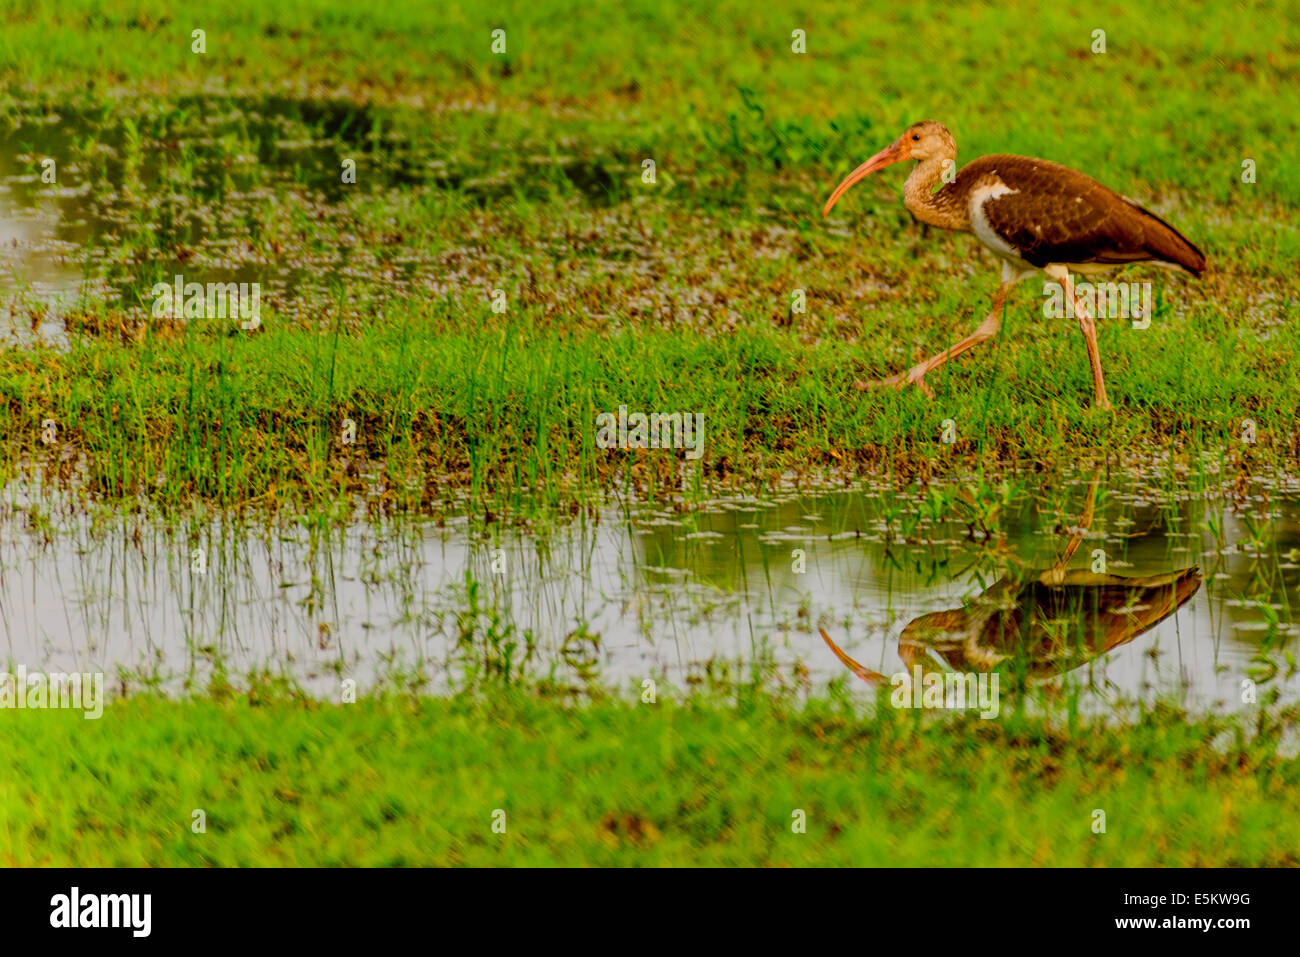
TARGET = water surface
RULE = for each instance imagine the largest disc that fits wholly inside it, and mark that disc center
(677, 593)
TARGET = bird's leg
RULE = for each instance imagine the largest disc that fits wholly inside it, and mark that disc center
(1056, 574)
(1089, 329)
(916, 375)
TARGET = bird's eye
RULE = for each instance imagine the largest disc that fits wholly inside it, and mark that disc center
(916, 136)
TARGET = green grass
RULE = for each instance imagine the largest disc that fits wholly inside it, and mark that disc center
(1216, 71)
(522, 173)
(401, 782)
(1182, 89)
(504, 405)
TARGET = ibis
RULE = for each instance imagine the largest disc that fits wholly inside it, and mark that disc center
(1041, 623)
(1036, 217)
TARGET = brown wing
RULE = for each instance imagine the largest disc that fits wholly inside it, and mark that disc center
(1104, 611)
(1062, 620)
(1059, 215)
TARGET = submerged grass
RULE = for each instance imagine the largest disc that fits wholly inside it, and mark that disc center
(398, 781)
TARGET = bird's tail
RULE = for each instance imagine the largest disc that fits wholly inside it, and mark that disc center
(1172, 246)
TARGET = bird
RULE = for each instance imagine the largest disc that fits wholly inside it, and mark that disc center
(1035, 216)
(1042, 627)
(1040, 622)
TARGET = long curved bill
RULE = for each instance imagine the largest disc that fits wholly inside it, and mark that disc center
(866, 674)
(891, 154)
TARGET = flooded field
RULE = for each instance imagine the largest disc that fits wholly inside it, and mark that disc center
(250, 191)
(1130, 590)
(730, 590)
(313, 325)
(271, 190)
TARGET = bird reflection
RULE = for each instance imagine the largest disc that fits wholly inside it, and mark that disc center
(1042, 623)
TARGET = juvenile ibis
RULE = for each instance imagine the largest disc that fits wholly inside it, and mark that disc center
(1035, 216)
(1041, 623)
(1042, 626)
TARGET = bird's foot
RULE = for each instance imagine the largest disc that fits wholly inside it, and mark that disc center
(913, 376)
(868, 385)
(917, 377)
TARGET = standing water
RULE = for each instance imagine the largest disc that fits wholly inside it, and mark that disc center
(678, 593)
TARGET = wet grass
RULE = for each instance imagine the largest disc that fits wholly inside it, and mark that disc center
(521, 173)
(676, 593)
(446, 399)
(393, 782)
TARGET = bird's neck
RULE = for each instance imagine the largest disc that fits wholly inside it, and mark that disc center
(942, 208)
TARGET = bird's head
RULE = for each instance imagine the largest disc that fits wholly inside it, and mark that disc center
(921, 141)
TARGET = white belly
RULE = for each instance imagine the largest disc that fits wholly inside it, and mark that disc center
(981, 194)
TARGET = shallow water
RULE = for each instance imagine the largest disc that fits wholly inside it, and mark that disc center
(225, 189)
(715, 588)
(197, 192)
